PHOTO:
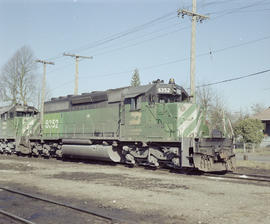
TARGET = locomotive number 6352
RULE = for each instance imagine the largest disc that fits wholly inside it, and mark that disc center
(51, 123)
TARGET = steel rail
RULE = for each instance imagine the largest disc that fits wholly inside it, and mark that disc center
(252, 175)
(97, 214)
(242, 177)
(15, 217)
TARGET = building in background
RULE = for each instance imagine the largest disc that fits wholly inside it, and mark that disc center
(264, 116)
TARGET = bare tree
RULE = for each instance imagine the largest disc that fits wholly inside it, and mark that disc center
(17, 80)
(8, 82)
(218, 112)
(205, 98)
(257, 108)
(214, 108)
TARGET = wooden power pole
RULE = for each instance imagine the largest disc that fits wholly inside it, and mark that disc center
(43, 89)
(195, 17)
(77, 69)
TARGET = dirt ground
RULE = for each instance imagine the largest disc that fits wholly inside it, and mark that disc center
(138, 194)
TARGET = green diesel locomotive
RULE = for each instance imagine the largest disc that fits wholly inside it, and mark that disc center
(154, 125)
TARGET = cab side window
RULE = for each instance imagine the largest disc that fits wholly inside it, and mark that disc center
(151, 99)
(135, 103)
(4, 116)
(11, 115)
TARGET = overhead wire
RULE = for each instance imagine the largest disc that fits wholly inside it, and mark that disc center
(120, 48)
(206, 53)
(235, 10)
(223, 81)
(235, 78)
(120, 34)
(123, 34)
(255, 11)
(143, 26)
(171, 62)
(160, 30)
(161, 19)
(134, 44)
(143, 41)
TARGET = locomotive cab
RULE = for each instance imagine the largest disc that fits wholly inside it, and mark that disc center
(156, 92)
(171, 93)
(16, 122)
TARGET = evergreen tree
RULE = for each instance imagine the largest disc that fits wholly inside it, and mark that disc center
(135, 80)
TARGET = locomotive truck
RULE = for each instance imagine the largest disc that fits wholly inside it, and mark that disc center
(153, 125)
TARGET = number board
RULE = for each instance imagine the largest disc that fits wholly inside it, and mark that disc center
(51, 123)
(164, 90)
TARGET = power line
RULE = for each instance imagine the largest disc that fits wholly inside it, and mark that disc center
(132, 30)
(255, 11)
(166, 17)
(140, 42)
(132, 39)
(236, 10)
(209, 84)
(234, 79)
(162, 18)
(173, 61)
(108, 40)
(205, 53)
(121, 34)
(127, 46)
(138, 28)
(144, 35)
(242, 44)
(176, 60)
(131, 45)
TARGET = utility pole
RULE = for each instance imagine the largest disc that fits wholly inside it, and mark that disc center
(43, 89)
(195, 17)
(77, 69)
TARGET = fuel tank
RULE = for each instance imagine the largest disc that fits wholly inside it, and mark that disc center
(96, 152)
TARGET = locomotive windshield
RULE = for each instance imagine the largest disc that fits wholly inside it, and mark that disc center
(169, 98)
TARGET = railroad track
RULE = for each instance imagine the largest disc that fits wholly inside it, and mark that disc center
(241, 177)
(13, 217)
(101, 218)
(188, 172)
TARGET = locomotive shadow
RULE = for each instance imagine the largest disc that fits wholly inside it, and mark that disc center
(182, 171)
(85, 161)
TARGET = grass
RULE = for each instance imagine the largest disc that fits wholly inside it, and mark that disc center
(264, 153)
(252, 164)
(258, 151)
